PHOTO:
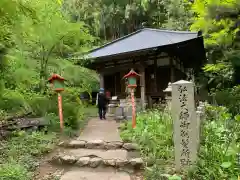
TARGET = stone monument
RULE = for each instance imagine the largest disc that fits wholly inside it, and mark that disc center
(185, 124)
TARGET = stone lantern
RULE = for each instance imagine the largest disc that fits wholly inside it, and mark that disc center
(168, 95)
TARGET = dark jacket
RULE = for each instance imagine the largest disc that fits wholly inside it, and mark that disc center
(102, 100)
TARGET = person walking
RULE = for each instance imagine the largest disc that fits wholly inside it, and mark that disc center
(101, 104)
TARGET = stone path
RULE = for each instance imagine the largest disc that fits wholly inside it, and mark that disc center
(99, 154)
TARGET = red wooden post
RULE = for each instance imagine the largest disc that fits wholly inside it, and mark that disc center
(58, 86)
(133, 109)
(132, 84)
(60, 112)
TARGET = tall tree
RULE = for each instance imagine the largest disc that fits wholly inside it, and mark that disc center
(113, 19)
(51, 33)
(219, 21)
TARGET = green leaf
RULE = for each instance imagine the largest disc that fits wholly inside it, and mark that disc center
(175, 177)
(226, 165)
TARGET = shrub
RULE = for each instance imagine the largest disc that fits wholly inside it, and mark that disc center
(47, 105)
(18, 154)
(229, 98)
(14, 171)
(219, 148)
(153, 133)
(40, 104)
(13, 101)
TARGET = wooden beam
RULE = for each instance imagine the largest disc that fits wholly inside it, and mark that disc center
(155, 75)
(114, 69)
(127, 60)
(172, 74)
(142, 84)
(101, 80)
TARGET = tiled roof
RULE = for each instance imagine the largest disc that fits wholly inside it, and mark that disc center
(142, 39)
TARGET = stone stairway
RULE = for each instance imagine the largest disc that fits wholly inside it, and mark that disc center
(99, 154)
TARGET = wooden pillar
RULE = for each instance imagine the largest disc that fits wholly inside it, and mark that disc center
(142, 84)
(172, 73)
(101, 80)
(155, 75)
(115, 84)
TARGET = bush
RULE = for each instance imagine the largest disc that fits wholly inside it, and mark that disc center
(43, 105)
(153, 133)
(229, 98)
(218, 153)
(18, 154)
(14, 171)
(40, 104)
(219, 146)
(12, 101)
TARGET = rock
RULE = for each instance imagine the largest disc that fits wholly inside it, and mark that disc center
(68, 159)
(95, 162)
(110, 162)
(77, 144)
(136, 162)
(95, 144)
(127, 169)
(55, 175)
(113, 145)
(55, 159)
(121, 163)
(83, 161)
(130, 146)
(149, 162)
(118, 118)
(61, 143)
(119, 144)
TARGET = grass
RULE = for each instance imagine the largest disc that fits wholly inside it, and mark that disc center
(153, 133)
(90, 111)
(218, 152)
(20, 154)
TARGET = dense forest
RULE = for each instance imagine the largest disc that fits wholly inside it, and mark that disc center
(40, 37)
(37, 38)
(218, 21)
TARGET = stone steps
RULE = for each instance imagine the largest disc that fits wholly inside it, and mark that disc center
(99, 144)
(99, 153)
(96, 173)
(97, 158)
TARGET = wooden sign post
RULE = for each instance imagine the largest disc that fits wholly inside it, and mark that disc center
(185, 124)
(132, 84)
(58, 86)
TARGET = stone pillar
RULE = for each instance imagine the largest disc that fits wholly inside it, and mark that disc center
(101, 80)
(200, 118)
(142, 84)
(168, 96)
(185, 124)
